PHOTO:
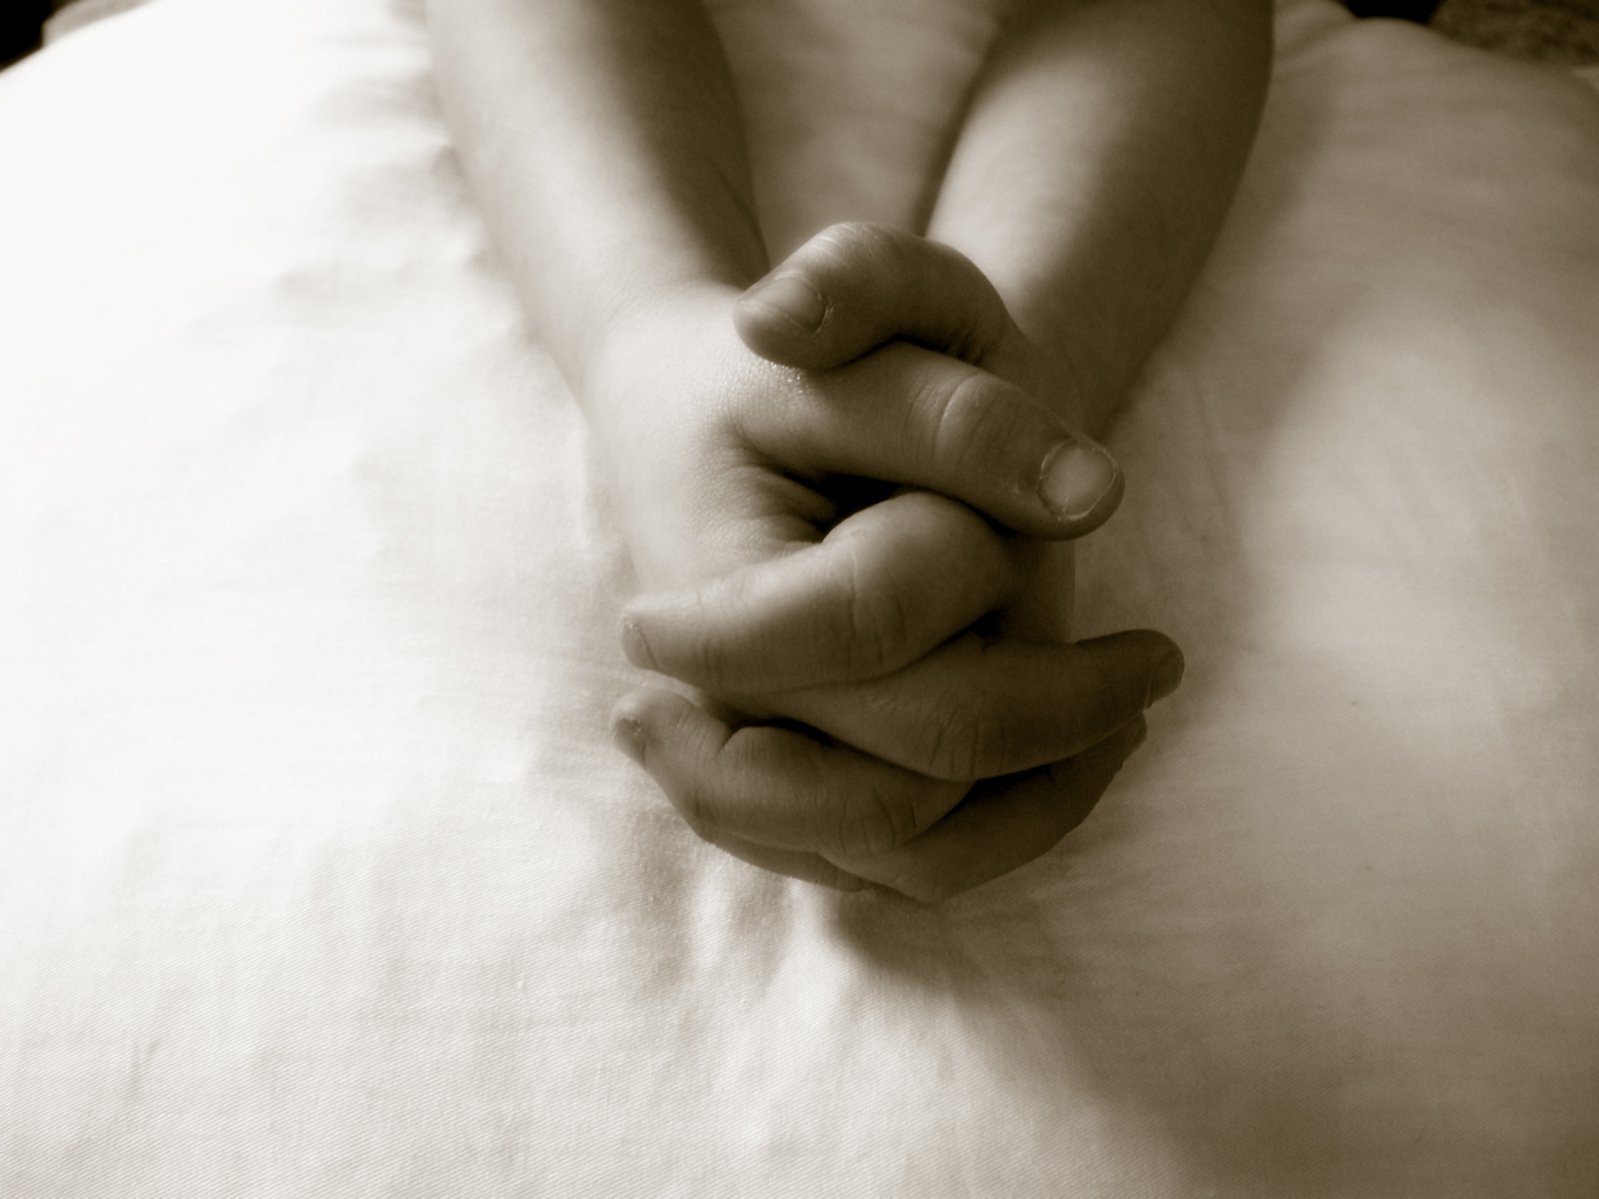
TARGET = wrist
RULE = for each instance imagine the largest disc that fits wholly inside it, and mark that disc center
(640, 382)
(638, 332)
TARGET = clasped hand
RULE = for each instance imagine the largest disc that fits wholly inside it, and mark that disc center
(836, 489)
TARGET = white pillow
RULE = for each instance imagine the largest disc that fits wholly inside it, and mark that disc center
(319, 878)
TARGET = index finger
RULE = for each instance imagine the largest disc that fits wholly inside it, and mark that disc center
(783, 788)
(1002, 824)
(856, 285)
(912, 416)
(784, 801)
(976, 709)
(884, 587)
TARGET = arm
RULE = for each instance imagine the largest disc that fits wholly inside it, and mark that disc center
(602, 143)
(1100, 154)
(604, 146)
(1093, 169)
(1096, 163)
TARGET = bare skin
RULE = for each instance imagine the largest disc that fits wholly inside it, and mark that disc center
(1119, 127)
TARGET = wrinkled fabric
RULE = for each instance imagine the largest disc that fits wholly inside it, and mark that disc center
(318, 875)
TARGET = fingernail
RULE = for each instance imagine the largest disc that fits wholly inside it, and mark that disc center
(794, 298)
(1166, 677)
(1077, 476)
(634, 646)
(628, 736)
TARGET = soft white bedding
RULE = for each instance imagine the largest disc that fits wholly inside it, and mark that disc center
(318, 876)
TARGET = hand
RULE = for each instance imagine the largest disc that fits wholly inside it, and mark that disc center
(718, 458)
(777, 796)
(848, 292)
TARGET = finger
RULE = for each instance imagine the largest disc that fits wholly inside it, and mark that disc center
(791, 863)
(974, 709)
(908, 415)
(1001, 825)
(775, 787)
(855, 286)
(884, 587)
(1042, 608)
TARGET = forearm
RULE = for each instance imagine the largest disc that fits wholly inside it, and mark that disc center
(1095, 166)
(603, 144)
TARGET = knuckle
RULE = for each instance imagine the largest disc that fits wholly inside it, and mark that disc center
(718, 666)
(881, 623)
(702, 647)
(705, 661)
(877, 622)
(970, 424)
(847, 241)
(694, 807)
(693, 783)
(954, 742)
(680, 723)
(872, 824)
(967, 738)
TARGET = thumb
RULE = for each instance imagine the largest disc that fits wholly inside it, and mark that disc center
(854, 286)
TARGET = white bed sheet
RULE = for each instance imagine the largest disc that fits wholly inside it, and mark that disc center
(318, 877)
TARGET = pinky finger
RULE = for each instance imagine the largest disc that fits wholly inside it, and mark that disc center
(791, 863)
(1002, 824)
